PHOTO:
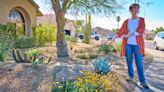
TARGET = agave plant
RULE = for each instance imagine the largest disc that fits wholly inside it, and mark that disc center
(102, 65)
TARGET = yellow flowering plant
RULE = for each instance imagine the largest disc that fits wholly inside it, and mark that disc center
(89, 82)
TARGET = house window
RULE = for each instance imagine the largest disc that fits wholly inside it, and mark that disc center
(17, 17)
(68, 32)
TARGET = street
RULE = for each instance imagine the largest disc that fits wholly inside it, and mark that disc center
(149, 44)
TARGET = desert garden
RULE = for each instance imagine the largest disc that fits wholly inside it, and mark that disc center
(31, 63)
(51, 61)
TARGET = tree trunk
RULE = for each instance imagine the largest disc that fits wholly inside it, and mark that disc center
(62, 50)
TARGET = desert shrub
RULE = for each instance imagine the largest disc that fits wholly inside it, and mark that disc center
(45, 33)
(89, 82)
(79, 50)
(108, 48)
(24, 42)
(92, 56)
(20, 30)
(38, 33)
(117, 46)
(7, 39)
(86, 56)
(32, 52)
(104, 48)
(113, 49)
(72, 39)
(82, 56)
(102, 65)
(147, 37)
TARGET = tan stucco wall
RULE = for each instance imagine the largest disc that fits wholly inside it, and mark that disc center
(7, 5)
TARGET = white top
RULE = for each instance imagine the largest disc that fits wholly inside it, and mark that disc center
(132, 27)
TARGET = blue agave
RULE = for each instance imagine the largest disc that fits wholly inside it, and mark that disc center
(102, 65)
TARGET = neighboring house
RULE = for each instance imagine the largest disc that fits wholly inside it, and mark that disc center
(51, 19)
(103, 32)
(23, 12)
(149, 35)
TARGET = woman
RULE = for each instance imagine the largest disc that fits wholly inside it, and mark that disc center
(132, 32)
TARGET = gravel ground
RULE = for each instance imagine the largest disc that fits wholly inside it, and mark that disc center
(24, 78)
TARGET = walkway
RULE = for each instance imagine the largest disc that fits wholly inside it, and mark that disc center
(154, 74)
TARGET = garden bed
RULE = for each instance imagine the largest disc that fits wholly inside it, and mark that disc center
(24, 78)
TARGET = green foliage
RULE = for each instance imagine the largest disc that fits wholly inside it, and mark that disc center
(79, 25)
(82, 56)
(92, 56)
(87, 33)
(158, 30)
(64, 87)
(20, 30)
(114, 30)
(24, 42)
(147, 37)
(104, 48)
(118, 18)
(33, 52)
(107, 48)
(40, 60)
(86, 56)
(72, 39)
(99, 7)
(7, 38)
(117, 46)
(45, 33)
(88, 82)
(102, 65)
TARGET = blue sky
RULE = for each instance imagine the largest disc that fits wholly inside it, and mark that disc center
(153, 14)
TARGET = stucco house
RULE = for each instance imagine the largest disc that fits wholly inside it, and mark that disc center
(102, 31)
(23, 12)
(51, 19)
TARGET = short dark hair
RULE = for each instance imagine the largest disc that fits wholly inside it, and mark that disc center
(134, 4)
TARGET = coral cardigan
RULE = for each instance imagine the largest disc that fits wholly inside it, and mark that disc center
(139, 39)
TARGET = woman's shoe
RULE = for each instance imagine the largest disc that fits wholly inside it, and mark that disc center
(129, 79)
(144, 85)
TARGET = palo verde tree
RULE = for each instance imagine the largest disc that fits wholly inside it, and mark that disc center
(83, 7)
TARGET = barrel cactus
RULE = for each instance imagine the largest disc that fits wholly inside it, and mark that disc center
(102, 65)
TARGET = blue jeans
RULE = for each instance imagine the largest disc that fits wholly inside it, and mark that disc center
(130, 50)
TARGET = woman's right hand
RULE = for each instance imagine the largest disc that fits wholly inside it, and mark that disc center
(127, 35)
(113, 39)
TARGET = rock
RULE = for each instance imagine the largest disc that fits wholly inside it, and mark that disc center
(71, 72)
